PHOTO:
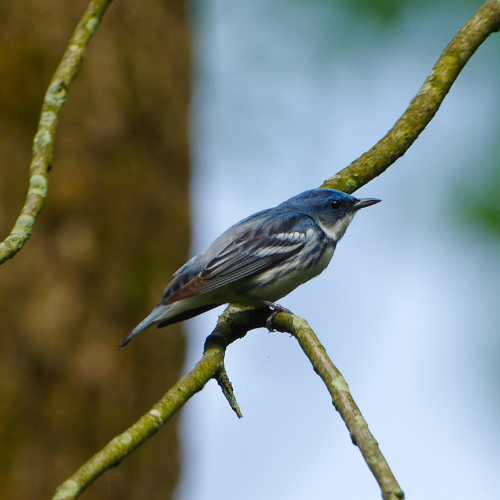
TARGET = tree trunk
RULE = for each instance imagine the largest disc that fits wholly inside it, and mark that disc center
(114, 228)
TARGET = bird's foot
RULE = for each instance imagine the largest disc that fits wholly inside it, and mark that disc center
(275, 309)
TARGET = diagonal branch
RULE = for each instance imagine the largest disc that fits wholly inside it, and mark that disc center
(43, 143)
(343, 402)
(424, 105)
(233, 324)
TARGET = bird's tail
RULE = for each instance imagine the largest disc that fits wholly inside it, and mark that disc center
(152, 319)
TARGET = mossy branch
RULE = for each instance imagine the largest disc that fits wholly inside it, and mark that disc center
(343, 402)
(424, 105)
(43, 143)
(235, 322)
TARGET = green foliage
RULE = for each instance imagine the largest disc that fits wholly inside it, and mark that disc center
(477, 200)
(388, 13)
(385, 12)
(482, 208)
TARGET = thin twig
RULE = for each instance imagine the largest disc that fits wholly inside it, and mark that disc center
(227, 390)
(43, 143)
(424, 105)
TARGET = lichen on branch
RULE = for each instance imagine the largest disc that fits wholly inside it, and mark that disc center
(43, 143)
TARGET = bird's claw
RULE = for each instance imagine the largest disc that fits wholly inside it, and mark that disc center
(269, 321)
(275, 309)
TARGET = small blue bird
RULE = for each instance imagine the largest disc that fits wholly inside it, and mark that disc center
(260, 259)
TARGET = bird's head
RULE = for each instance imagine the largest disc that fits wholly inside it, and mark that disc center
(332, 210)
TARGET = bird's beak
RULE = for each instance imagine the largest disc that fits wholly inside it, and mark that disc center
(365, 202)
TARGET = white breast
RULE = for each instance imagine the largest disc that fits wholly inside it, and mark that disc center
(278, 282)
(338, 230)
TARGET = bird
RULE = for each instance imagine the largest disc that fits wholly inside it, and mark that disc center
(260, 259)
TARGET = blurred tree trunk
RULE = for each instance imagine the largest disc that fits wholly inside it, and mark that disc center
(114, 228)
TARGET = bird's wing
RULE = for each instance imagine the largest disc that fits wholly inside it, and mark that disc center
(252, 251)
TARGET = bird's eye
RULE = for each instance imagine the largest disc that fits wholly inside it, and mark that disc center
(335, 204)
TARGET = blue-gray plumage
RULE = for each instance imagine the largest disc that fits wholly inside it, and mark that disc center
(260, 259)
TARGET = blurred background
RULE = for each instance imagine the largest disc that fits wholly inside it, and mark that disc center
(102, 248)
(284, 94)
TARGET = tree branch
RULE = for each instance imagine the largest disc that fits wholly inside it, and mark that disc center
(343, 402)
(43, 143)
(424, 105)
(233, 324)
